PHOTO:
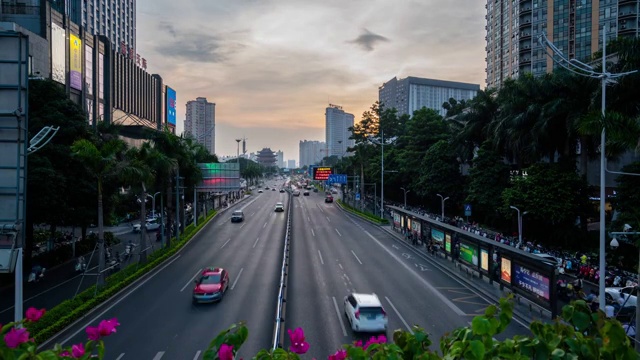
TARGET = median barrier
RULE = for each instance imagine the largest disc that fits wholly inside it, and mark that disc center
(71, 311)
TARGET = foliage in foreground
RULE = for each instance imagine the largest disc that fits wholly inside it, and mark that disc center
(576, 334)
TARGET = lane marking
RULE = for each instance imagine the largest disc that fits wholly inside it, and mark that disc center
(99, 316)
(225, 243)
(335, 304)
(319, 254)
(354, 254)
(313, 233)
(253, 213)
(120, 357)
(265, 224)
(159, 355)
(241, 226)
(341, 268)
(190, 280)
(400, 316)
(420, 278)
(233, 286)
(308, 219)
(329, 220)
(338, 232)
(255, 243)
(197, 355)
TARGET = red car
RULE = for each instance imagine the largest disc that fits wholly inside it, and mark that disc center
(328, 199)
(211, 286)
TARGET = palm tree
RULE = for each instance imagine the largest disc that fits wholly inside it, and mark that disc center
(106, 161)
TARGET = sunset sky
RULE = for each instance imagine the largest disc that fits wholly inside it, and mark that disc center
(272, 66)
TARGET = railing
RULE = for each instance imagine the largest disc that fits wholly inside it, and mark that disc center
(19, 9)
(280, 309)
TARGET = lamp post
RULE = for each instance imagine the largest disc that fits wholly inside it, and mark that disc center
(519, 223)
(443, 199)
(153, 203)
(405, 196)
(381, 143)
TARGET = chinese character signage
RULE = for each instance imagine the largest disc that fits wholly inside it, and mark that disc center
(171, 106)
(321, 173)
(75, 62)
(531, 281)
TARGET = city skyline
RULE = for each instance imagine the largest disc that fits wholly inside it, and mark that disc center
(272, 67)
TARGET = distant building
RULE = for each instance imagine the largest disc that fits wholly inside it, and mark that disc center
(311, 152)
(337, 134)
(280, 159)
(291, 164)
(266, 157)
(201, 122)
(412, 93)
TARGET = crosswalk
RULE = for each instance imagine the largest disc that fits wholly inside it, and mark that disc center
(160, 355)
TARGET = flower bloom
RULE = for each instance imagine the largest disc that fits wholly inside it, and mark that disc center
(105, 328)
(373, 340)
(65, 353)
(15, 337)
(34, 314)
(77, 350)
(298, 345)
(339, 355)
(225, 352)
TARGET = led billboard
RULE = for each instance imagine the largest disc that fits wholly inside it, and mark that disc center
(321, 173)
(219, 177)
(75, 62)
(171, 106)
(58, 54)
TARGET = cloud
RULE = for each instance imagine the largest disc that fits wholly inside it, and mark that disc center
(195, 45)
(368, 40)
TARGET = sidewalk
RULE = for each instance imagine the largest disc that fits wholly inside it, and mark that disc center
(524, 311)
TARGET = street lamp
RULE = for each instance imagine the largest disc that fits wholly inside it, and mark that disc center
(405, 196)
(381, 143)
(153, 203)
(519, 223)
(443, 199)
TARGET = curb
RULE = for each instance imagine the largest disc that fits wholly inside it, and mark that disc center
(357, 214)
(134, 283)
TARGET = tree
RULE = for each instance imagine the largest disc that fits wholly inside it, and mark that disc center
(627, 200)
(440, 175)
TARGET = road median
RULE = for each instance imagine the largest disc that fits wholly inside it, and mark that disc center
(364, 215)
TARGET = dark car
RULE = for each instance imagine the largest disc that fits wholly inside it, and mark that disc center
(211, 286)
(328, 199)
(281, 190)
(273, 189)
(306, 193)
(237, 216)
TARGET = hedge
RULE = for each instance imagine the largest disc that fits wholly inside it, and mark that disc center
(67, 312)
(371, 217)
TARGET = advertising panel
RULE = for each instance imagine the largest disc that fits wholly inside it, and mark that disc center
(484, 259)
(396, 219)
(505, 270)
(75, 62)
(219, 177)
(321, 173)
(88, 66)
(469, 253)
(531, 281)
(437, 236)
(171, 106)
(58, 54)
(447, 243)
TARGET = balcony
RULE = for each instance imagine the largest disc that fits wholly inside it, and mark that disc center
(627, 13)
(11, 8)
(622, 2)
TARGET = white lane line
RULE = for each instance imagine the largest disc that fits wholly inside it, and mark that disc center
(120, 357)
(255, 243)
(233, 286)
(400, 316)
(329, 220)
(335, 304)
(253, 213)
(450, 304)
(197, 355)
(265, 225)
(308, 219)
(225, 243)
(241, 226)
(190, 280)
(354, 254)
(313, 233)
(338, 232)
(320, 254)
(159, 355)
(341, 268)
(99, 316)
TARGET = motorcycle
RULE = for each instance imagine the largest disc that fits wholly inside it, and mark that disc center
(81, 265)
(37, 274)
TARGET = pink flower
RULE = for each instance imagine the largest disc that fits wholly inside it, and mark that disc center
(105, 328)
(77, 350)
(339, 355)
(225, 352)
(93, 333)
(373, 340)
(65, 353)
(15, 337)
(298, 345)
(34, 314)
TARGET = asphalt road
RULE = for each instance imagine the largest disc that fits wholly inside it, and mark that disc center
(334, 254)
(158, 318)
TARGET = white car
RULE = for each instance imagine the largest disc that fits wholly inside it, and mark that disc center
(259, 191)
(152, 225)
(622, 294)
(279, 207)
(365, 313)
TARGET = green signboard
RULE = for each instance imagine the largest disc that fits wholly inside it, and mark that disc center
(469, 253)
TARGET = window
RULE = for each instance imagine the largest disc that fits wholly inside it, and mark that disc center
(210, 279)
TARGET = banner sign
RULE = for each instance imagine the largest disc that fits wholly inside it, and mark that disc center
(531, 281)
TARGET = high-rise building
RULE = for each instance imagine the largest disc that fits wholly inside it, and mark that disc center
(337, 134)
(411, 93)
(280, 159)
(201, 122)
(311, 152)
(291, 164)
(574, 27)
(115, 19)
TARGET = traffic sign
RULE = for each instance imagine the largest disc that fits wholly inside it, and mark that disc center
(467, 209)
(338, 178)
(357, 196)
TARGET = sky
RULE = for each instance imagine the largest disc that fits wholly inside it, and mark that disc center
(273, 66)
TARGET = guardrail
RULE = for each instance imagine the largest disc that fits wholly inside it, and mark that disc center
(282, 292)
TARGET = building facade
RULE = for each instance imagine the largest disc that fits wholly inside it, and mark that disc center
(574, 27)
(411, 93)
(114, 19)
(337, 134)
(200, 123)
(311, 152)
(291, 164)
(266, 157)
(280, 159)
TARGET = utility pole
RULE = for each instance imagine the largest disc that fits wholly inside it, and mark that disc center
(143, 225)
(177, 226)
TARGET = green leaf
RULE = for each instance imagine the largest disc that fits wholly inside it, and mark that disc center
(476, 350)
(481, 325)
(581, 321)
(48, 355)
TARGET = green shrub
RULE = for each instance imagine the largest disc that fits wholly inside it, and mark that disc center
(363, 214)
